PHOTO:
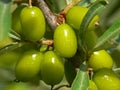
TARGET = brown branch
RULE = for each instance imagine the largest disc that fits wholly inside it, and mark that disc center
(90, 71)
(51, 18)
(41, 42)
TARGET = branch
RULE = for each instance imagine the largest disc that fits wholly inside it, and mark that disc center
(51, 18)
(70, 5)
(61, 16)
(47, 42)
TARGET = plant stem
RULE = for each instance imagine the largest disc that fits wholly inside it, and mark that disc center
(90, 72)
(70, 5)
(62, 14)
(52, 87)
(30, 3)
(51, 18)
(47, 42)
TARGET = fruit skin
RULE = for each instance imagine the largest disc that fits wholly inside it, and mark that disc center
(17, 86)
(10, 58)
(29, 65)
(100, 59)
(65, 41)
(92, 85)
(90, 39)
(70, 72)
(106, 79)
(16, 24)
(33, 23)
(52, 69)
(75, 16)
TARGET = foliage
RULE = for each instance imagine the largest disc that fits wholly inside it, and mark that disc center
(108, 36)
(4, 17)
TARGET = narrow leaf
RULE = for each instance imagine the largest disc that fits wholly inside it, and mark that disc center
(11, 47)
(93, 10)
(81, 81)
(14, 35)
(4, 18)
(109, 12)
(110, 33)
(86, 2)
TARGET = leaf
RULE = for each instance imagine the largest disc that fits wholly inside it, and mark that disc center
(14, 35)
(93, 10)
(11, 47)
(81, 81)
(117, 71)
(109, 12)
(5, 20)
(86, 3)
(110, 33)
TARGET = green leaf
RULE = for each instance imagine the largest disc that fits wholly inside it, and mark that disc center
(81, 81)
(110, 33)
(5, 20)
(109, 13)
(11, 47)
(93, 10)
(117, 71)
(86, 3)
(14, 35)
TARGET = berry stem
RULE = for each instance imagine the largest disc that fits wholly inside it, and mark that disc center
(30, 3)
(47, 42)
(52, 87)
(90, 72)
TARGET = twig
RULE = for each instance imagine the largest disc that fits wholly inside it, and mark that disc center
(51, 18)
(47, 42)
(73, 3)
(62, 14)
